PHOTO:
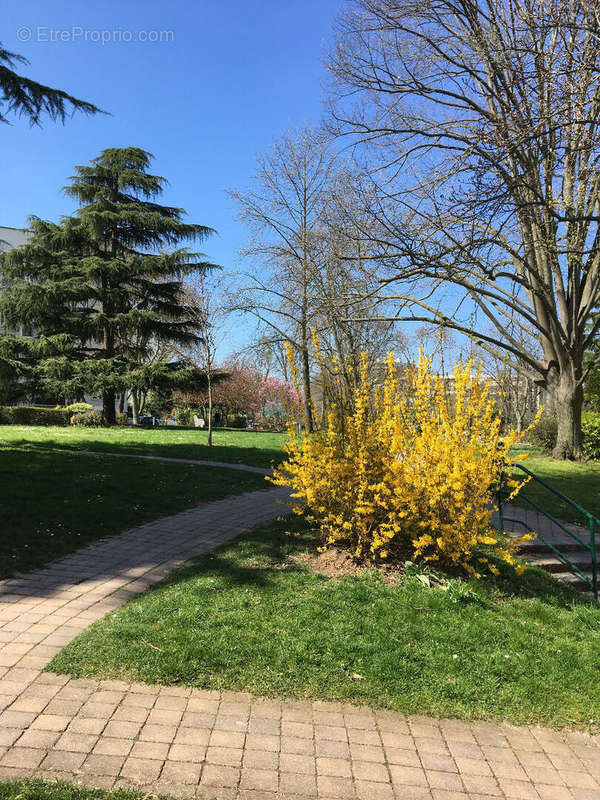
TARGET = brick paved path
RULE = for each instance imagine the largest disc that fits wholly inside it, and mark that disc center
(192, 743)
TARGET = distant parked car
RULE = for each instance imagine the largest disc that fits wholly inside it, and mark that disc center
(145, 420)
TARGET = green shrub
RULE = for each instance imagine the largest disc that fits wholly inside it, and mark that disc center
(33, 415)
(79, 408)
(591, 434)
(237, 421)
(544, 433)
(122, 420)
(185, 416)
(88, 419)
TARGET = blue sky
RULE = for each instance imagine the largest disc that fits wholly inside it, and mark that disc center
(233, 76)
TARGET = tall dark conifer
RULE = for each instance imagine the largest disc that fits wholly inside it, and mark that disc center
(110, 278)
(24, 97)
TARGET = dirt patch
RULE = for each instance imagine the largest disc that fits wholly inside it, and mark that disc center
(335, 563)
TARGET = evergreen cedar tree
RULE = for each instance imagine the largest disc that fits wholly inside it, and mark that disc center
(99, 287)
(24, 97)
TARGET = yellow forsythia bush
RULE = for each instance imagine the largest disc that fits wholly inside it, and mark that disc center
(414, 462)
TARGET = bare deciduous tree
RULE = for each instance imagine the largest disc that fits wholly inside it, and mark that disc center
(283, 207)
(481, 118)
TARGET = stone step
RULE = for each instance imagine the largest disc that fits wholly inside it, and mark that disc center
(576, 581)
(571, 547)
(552, 563)
(539, 555)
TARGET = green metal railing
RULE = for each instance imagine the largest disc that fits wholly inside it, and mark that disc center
(593, 525)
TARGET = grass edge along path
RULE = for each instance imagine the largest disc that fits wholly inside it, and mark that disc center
(35, 789)
(250, 617)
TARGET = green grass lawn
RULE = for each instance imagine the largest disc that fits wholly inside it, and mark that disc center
(248, 617)
(238, 447)
(55, 501)
(40, 790)
(579, 481)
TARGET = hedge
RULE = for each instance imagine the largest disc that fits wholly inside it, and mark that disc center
(32, 415)
(590, 425)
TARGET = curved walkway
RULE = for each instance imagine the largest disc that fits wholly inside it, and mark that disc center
(229, 745)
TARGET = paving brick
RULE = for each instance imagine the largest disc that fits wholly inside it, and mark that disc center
(271, 727)
(481, 784)
(226, 756)
(331, 749)
(141, 770)
(37, 738)
(370, 771)
(9, 736)
(126, 713)
(295, 784)
(254, 741)
(179, 772)
(33, 704)
(63, 761)
(335, 787)
(226, 739)
(158, 733)
(301, 730)
(524, 790)
(260, 759)
(561, 793)
(200, 737)
(65, 708)
(450, 781)
(214, 775)
(334, 767)
(23, 757)
(156, 750)
(109, 746)
(508, 770)
(331, 732)
(187, 752)
(403, 758)
(296, 762)
(367, 790)
(397, 740)
(264, 780)
(473, 766)
(436, 761)
(408, 776)
(580, 780)
(16, 719)
(86, 725)
(366, 752)
(96, 764)
(366, 737)
(164, 717)
(122, 730)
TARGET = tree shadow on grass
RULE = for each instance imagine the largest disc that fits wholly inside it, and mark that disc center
(533, 584)
(257, 558)
(233, 454)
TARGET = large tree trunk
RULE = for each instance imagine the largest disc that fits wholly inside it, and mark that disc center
(567, 401)
(108, 407)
